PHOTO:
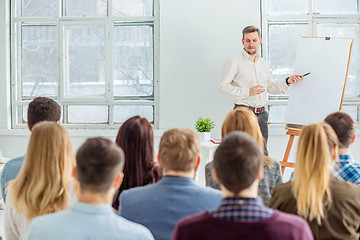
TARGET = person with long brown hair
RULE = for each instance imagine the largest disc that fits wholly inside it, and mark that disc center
(136, 138)
(42, 186)
(243, 119)
(330, 205)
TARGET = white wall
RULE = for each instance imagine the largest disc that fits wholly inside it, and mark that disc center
(196, 38)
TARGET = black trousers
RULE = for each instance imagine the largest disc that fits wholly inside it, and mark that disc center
(263, 123)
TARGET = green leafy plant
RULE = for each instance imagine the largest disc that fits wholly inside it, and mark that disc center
(204, 125)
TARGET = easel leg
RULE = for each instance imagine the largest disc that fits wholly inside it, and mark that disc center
(287, 152)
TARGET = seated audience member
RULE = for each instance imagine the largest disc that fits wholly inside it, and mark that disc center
(345, 167)
(42, 185)
(330, 205)
(243, 119)
(161, 205)
(99, 172)
(238, 164)
(136, 138)
(40, 109)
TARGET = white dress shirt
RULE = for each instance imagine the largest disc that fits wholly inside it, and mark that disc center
(241, 72)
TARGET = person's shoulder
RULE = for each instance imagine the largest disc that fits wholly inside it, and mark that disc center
(49, 223)
(194, 220)
(287, 221)
(139, 193)
(132, 228)
(283, 186)
(343, 189)
(15, 162)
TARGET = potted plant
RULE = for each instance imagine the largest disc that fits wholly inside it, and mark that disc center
(203, 127)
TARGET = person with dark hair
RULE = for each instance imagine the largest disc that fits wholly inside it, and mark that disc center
(40, 109)
(345, 167)
(238, 165)
(246, 78)
(99, 172)
(136, 138)
(161, 205)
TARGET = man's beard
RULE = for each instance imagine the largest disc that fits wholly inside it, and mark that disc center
(251, 52)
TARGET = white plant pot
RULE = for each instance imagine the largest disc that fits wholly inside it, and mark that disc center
(204, 136)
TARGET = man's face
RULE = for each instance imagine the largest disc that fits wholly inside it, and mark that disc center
(251, 42)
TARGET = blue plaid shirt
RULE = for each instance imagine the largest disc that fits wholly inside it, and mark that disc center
(242, 209)
(348, 169)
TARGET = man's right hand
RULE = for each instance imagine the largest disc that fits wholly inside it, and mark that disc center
(258, 89)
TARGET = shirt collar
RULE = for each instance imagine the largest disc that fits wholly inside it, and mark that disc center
(345, 158)
(248, 56)
(241, 201)
(176, 180)
(91, 208)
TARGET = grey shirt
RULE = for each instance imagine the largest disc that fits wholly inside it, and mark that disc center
(272, 177)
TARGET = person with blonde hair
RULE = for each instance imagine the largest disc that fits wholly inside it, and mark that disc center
(243, 119)
(42, 186)
(161, 205)
(330, 205)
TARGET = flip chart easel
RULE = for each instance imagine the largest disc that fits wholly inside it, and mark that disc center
(302, 66)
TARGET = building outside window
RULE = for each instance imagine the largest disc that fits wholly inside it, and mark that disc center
(97, 58)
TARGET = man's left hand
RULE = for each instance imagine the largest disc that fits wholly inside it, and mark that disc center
(295, 79)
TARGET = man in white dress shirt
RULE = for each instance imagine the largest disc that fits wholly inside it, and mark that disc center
(246, 77)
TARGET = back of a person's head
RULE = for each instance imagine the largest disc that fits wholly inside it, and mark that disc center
(179, 149)
(42, 183)
(43, 109)
(242, 119)
(343, 126)
(237, 161)
(314, 162)
(98, 162)
(136, 139)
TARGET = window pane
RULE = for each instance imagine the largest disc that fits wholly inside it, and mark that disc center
(277, 114)
(122, 113)
(86, 8)
(352, 111)
(283, 40)
(22, 118)
(133, 61)
(88, 114)
(335, 6)
(38, 8)
(287, 6)
(86, 61)
(135, 8)
(39, 61)
(345, 31)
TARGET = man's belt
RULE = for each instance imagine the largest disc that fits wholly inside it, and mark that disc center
(254, 109)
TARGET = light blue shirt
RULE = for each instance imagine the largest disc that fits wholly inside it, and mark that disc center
(10, 172)
(86, 222)
(161, 205)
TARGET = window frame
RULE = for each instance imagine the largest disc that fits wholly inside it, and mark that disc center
(60, 21)
(311, 19)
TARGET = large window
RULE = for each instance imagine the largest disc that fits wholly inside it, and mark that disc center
(97, 58)
(285, 21)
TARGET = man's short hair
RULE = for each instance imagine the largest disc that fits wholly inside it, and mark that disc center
(237, 161)
(251, 29)
(179, 149)
(343, 126)
(99, 161)
(43, 109)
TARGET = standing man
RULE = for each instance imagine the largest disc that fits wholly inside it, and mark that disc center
(246, 77)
